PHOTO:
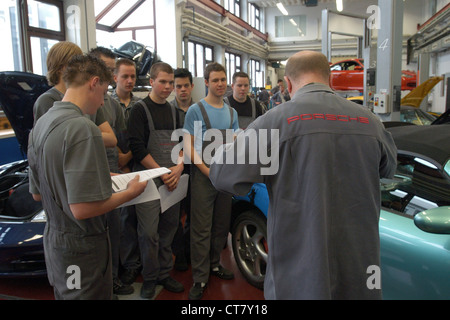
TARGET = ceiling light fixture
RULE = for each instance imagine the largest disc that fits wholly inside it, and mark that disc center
(282, 8)
(339, 5)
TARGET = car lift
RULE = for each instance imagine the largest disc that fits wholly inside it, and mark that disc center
(384, 87)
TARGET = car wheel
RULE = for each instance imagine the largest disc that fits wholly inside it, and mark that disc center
(249, 240)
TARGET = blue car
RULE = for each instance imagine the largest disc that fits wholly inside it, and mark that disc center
(22, 220)
(22, 223)
(414, 220)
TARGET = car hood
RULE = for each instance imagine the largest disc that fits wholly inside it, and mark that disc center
(416, 96)
(18, 92)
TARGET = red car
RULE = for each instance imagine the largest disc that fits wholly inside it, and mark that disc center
(349, 75)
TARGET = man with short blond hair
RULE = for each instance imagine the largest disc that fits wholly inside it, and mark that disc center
(125, 78)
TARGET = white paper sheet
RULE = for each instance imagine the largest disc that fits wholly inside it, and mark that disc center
(120, 182)
(150, 193)
(169, 198)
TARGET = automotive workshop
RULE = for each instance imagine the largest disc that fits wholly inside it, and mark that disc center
(387, 70)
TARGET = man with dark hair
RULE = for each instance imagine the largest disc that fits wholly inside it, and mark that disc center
(150, 126)
(183, 100)
(325, 201)
(248, 109)
(264, 97)
(70, 175)
(210, 209)
(277, 87)
(183, 89)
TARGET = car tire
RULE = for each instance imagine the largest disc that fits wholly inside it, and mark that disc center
(249, 241)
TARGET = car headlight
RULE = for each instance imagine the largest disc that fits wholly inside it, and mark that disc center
(40, 217)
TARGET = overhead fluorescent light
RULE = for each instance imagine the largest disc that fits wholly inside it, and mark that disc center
(282, 8)
(339, 5)
(293, 22)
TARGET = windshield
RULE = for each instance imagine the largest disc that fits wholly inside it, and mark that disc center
(416, 116)
(419, 186)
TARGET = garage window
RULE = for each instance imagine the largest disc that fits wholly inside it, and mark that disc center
(233, 64)
(254, 16)
(36, 24)
(234, 6)
(290, 26)
(256, 74)
(199, 56)
(119, 22)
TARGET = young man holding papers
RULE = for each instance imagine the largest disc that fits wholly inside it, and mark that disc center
(150, 126)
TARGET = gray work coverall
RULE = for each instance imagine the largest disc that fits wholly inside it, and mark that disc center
(69, 165)
(324, 198)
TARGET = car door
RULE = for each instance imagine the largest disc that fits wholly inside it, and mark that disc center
(414, 264)
(337, 76)
(354, 76)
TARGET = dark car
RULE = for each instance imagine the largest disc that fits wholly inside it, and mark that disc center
(143, 56)
(414, 220)
(22, 220)
(22, 223)
(443, 118)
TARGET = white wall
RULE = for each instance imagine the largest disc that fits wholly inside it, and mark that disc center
(168, 37)
(440, 65)
(80, 23)
(413, 14)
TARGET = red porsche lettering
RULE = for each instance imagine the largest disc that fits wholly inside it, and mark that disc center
(327, 117)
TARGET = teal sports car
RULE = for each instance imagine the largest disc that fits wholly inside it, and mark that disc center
(414, 220)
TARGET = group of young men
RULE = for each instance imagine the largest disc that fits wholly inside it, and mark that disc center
(321, 235)
(141, 237)
(150, 126)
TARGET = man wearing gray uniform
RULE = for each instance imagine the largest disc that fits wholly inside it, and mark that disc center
(324, 195)
(151, 123)
(57, 59)
(70, 175)
(248, 109)
(114, 115)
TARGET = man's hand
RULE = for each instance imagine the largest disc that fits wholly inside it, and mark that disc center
(171, 179)
(135, 187)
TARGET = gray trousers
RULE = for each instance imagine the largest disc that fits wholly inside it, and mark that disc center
(155, 234)
(210, 224)
(91, 254)
(113, 219)
(130, 255)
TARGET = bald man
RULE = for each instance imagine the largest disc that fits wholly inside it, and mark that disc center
(325, 197)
